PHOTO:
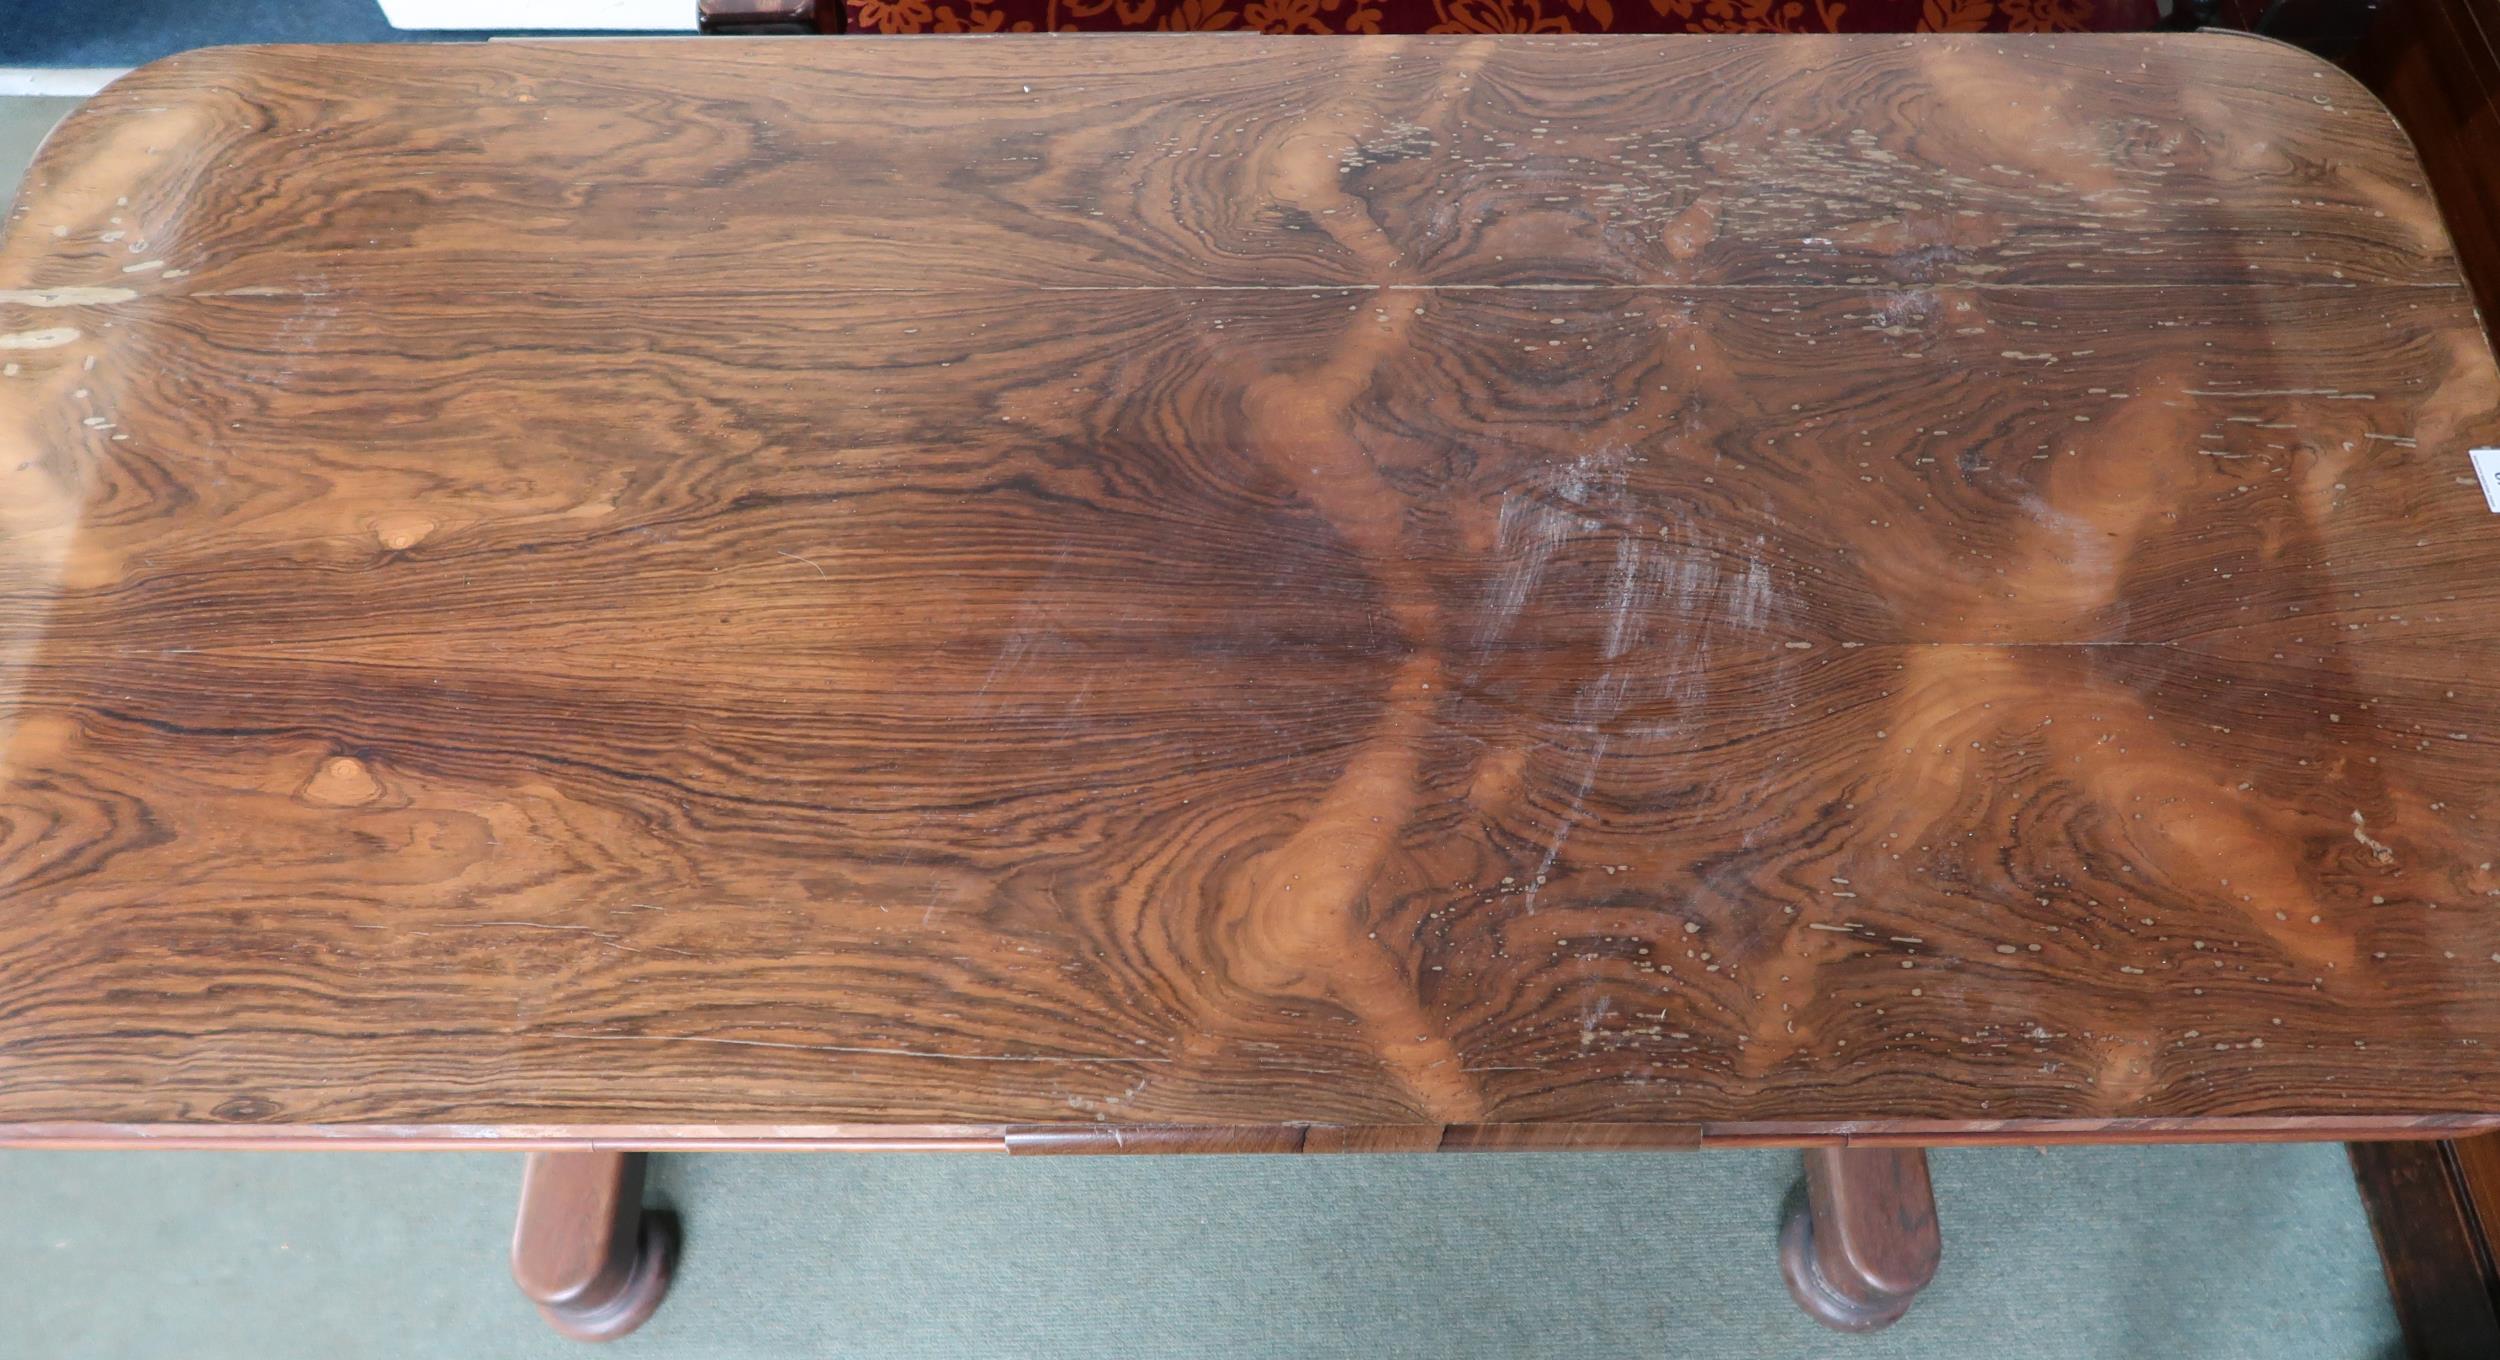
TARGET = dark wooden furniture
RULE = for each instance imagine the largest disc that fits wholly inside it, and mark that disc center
(2435, 1206)
(1864, 1241)
(582, 1248)
(2432, 1206)
(1206, 595)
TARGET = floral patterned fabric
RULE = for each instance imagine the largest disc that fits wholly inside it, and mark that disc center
(1503, 16)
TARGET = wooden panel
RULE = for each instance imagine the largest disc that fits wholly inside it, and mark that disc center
(1081, 1137)
(653, 604)
(1200, 1138)
(2436, 63)
(2431, 1240)
(2477, 1162)
(1153, 1138)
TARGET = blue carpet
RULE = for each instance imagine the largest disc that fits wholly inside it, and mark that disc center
(2232, 1253)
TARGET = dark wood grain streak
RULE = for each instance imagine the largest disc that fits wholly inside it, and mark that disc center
(1814, 591)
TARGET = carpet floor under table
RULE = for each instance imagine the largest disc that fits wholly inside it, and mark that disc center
(2259, 1252)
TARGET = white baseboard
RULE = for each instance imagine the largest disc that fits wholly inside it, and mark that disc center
(625, 16)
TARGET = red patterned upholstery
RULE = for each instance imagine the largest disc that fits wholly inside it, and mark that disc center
(1504, 16)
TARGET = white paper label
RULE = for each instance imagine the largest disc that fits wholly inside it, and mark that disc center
(2487, 472)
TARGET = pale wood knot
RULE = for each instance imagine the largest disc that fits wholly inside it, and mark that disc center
(342, 781)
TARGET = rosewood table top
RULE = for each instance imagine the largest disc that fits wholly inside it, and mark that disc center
(1228, 591)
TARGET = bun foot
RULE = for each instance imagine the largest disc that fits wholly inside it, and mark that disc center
(583, 1250)
(1864, 1241)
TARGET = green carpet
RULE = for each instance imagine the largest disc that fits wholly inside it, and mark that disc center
(24, 119)
(2257, 1252)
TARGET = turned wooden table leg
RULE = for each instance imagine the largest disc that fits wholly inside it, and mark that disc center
(1865, 1241)
(584, 1251)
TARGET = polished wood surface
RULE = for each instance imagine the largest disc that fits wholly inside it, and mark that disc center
(1767, 588)
(2434, 1208)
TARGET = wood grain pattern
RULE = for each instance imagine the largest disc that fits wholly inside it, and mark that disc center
(1802, 589)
